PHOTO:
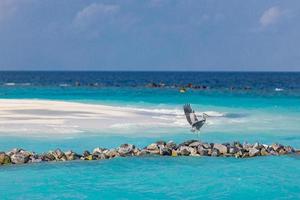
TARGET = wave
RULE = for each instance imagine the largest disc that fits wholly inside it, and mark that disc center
(15, 84)
(174, 112)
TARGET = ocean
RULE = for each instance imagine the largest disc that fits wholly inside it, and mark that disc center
(246, 106)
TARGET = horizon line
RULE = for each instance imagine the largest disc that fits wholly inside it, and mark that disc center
(184, 71)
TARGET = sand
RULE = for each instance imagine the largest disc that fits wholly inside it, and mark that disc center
(46, 118)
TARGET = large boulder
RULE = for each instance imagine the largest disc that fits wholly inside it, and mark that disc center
(47, 157)
(206, 145)
(215, 152)
(184, 150)
(289, 149)
(70, 155)
(277, 147)
(126, 149)
(152, 147)
(194, 152)
(4, 159)
(195, 144)
(221, 148)
(202, 151)
(165, 151)
(187, 143)
(112, 153)
(20, 157)
(233, 150)
(264, 152)
(59, 155)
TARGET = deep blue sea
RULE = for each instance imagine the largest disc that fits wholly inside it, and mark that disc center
(256, 106)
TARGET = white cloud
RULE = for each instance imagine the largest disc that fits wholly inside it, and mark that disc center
(270, 16)
(93, 13)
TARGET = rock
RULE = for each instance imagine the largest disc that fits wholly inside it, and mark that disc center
(277, 147)
(195, 144)
(254, 152)
(247, 146)
(187, 143)
(101, 156)
(98, 150)
(264, 152)
(20, 158)
(4, 159)
(282, 152)
(35, 158)
(194, 152)
(222, 148)
(144, 152)
(14, 151)
(215, 152)
(112, 153)
(152, 147)
(59, 155)
(202, 151)
(165, 151)
(70, 155)
(136, 151)
(184, 150)
(126, 149)
(238, 154)
(174, 153)
(47, 157)
(171, 145)
(274, 153)
(86, 153)
(206, 145)
(233, 150)
(289, 149)
(245, 154)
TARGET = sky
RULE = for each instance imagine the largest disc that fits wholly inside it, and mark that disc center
(208, 35)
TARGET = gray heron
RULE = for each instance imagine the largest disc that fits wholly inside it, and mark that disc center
(192, 118)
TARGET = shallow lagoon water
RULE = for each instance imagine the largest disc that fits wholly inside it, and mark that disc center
(268, 116)
(155, 178)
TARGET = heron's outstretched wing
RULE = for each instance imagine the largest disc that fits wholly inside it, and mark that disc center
(190, 114)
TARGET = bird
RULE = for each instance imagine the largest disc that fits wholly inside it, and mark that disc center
(192, 118)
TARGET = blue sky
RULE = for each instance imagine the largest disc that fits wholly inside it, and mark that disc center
(150, 35)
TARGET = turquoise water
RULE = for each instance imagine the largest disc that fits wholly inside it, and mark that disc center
(155, 178)
(261, 114)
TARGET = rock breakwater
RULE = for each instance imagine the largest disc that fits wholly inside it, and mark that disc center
(160, 148)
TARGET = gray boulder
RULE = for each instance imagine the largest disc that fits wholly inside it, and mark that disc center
(20, 158)
(59, 155)
(221, 148)
(184, 150)
(215, 152)
(126, 149)
(195, 144)
(47, 157)
(254, 152)
(70, 155)
(165, 151)
(202, 151)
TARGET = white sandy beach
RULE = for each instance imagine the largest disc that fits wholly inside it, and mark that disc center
(44, 117)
